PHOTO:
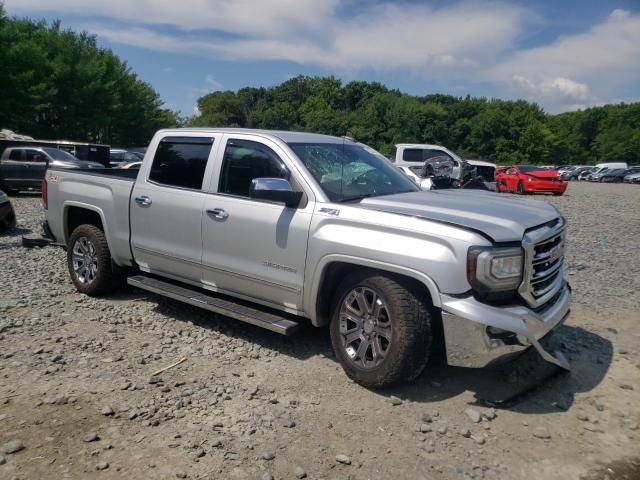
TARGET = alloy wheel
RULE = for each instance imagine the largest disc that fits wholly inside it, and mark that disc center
(365, 327)
(85, 260)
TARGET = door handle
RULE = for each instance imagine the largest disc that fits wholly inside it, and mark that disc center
(218, 213)
(143, 201)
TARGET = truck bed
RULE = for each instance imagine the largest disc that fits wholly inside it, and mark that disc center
(106, 191)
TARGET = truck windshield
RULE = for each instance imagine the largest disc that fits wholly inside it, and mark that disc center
(60, 154)
(349, 172)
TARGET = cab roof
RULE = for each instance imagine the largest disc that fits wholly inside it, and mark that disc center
(285, 136)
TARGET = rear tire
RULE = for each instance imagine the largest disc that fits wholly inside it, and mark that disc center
(557, 194)
(520, 188)
(380, 329)
(89, 262)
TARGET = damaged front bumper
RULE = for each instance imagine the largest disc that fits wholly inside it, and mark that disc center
(477, 334)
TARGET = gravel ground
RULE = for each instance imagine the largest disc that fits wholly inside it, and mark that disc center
(78, 399)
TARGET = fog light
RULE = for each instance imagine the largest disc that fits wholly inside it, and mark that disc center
(499, 336)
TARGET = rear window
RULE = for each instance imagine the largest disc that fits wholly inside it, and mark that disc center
(412, 155)
(181, 162)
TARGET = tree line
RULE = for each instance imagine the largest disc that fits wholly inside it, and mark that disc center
(504, 131)
(57, 84)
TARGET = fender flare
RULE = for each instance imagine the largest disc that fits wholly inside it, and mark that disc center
(312, 293)
(72, 203)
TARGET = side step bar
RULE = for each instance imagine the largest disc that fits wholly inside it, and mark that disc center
(209, 301)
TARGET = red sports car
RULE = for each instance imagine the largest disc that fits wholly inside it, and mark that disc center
(530, 179)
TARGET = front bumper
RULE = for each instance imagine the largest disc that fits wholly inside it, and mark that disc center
(545, 186)
(471, 343)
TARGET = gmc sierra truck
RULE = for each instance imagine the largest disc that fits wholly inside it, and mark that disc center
(278, 228)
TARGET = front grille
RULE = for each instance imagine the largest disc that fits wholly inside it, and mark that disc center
(544, 258)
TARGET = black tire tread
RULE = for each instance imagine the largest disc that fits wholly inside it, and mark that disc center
(413, 348)
(106, 280)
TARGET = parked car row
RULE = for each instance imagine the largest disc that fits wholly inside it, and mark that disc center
(603, 172)
(119, 157)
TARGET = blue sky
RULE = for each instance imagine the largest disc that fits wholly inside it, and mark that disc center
(563, 54)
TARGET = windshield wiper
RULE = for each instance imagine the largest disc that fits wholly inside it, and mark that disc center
(368, 195)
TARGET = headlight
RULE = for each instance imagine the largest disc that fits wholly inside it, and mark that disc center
(494, 269)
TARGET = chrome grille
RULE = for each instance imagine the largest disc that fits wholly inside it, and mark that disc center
(543, 263)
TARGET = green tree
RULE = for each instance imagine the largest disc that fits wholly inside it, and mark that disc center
(57, 83)
(499, 130)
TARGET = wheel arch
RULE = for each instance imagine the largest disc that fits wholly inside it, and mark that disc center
(76, 214)
(333, 268)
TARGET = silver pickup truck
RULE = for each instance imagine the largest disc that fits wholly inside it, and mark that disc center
(278, 228)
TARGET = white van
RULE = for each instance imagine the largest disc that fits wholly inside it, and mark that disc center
(611, 165)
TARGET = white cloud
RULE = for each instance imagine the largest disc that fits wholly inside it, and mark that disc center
(381, 35)
(577, 70)
(457, 43)
(251, 17)
(556, 89)
(606, 49)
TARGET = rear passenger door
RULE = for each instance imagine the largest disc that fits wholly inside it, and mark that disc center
(254, 248)
(167, 204)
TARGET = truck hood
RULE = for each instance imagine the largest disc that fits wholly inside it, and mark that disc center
(502, 219)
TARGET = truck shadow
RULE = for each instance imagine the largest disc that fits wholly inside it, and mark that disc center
(525, 384)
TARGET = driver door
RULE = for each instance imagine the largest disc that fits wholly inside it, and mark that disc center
(254, 248)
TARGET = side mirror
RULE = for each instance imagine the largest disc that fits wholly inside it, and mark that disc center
(274, 190)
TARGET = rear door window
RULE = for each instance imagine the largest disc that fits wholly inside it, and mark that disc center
(181, 162)
(412, 155)
(16, 155)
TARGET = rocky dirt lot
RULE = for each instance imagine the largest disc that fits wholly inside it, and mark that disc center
(78, 399)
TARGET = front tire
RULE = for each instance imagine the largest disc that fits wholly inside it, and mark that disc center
(89, 262)
(520, 188)
(380, 329)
